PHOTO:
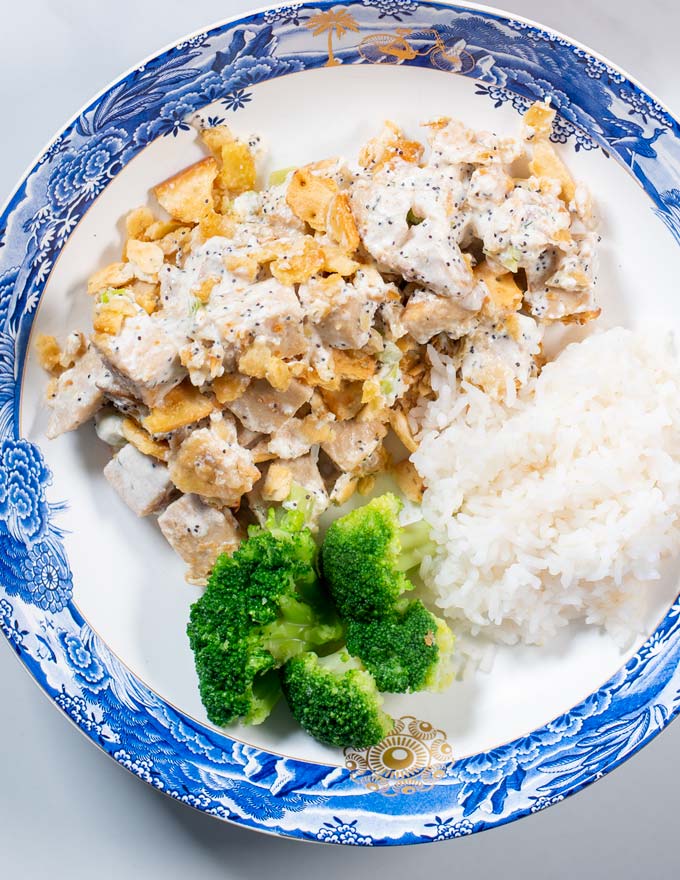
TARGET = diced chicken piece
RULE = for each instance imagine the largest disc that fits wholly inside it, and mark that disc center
(121, 393)
(431, 256)
(344, 487)
(349, 323)
(561, 286)
(321, 356)
(267, 311)
(576, 270)
(343, 311)
(264, 410)
(319, 296)
(500, 357)
(144, 355)
(380, 205)
(378, 460)
(427, 315)
(540, 269)
(428, 251)
(353, 442)
(210, 462)
(199, 534)
(214, 308)
(275, 209)
(489, 185)
(567, 306)
(453, 143)
(370, 283)
(76, 397)
(289, 442)
(297, 436)
(305, 471)
(141, 481)
(523, 227)
(246, 437)
(194, 280)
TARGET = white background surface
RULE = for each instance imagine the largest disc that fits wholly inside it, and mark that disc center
(66, 810)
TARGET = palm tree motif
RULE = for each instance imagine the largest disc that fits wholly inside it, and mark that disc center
(334, 22)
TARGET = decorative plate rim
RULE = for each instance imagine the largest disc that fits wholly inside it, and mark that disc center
(75, 669)
(259, 10)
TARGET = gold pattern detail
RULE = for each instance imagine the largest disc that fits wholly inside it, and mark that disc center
(394, 48)
(334, 22)
(409, 759)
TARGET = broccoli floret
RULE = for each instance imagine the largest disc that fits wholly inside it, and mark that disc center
(365, 557)
(408, 650)
(262, 606)
(335, 700)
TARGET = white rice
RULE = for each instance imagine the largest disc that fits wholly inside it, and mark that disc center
(561, 503)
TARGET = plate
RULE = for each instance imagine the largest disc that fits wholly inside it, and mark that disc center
(94, 602)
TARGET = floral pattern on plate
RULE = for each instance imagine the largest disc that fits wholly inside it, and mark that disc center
(510, 61)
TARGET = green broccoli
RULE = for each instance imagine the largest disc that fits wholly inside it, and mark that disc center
(262, 606)
(335, 700)
(365, 557)
(408, 650)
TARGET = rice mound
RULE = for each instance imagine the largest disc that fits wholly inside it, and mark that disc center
(558, 504)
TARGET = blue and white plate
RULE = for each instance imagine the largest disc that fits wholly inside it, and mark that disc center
(94, 602)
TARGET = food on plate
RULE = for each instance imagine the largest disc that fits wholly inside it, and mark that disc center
(335, 700)
(262, 606)
(267, 622)
(261, 354)
(366, 556)
(407, 649)
(561, 504)
(257, 344)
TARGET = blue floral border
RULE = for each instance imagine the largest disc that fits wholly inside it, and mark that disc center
(513, 61)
